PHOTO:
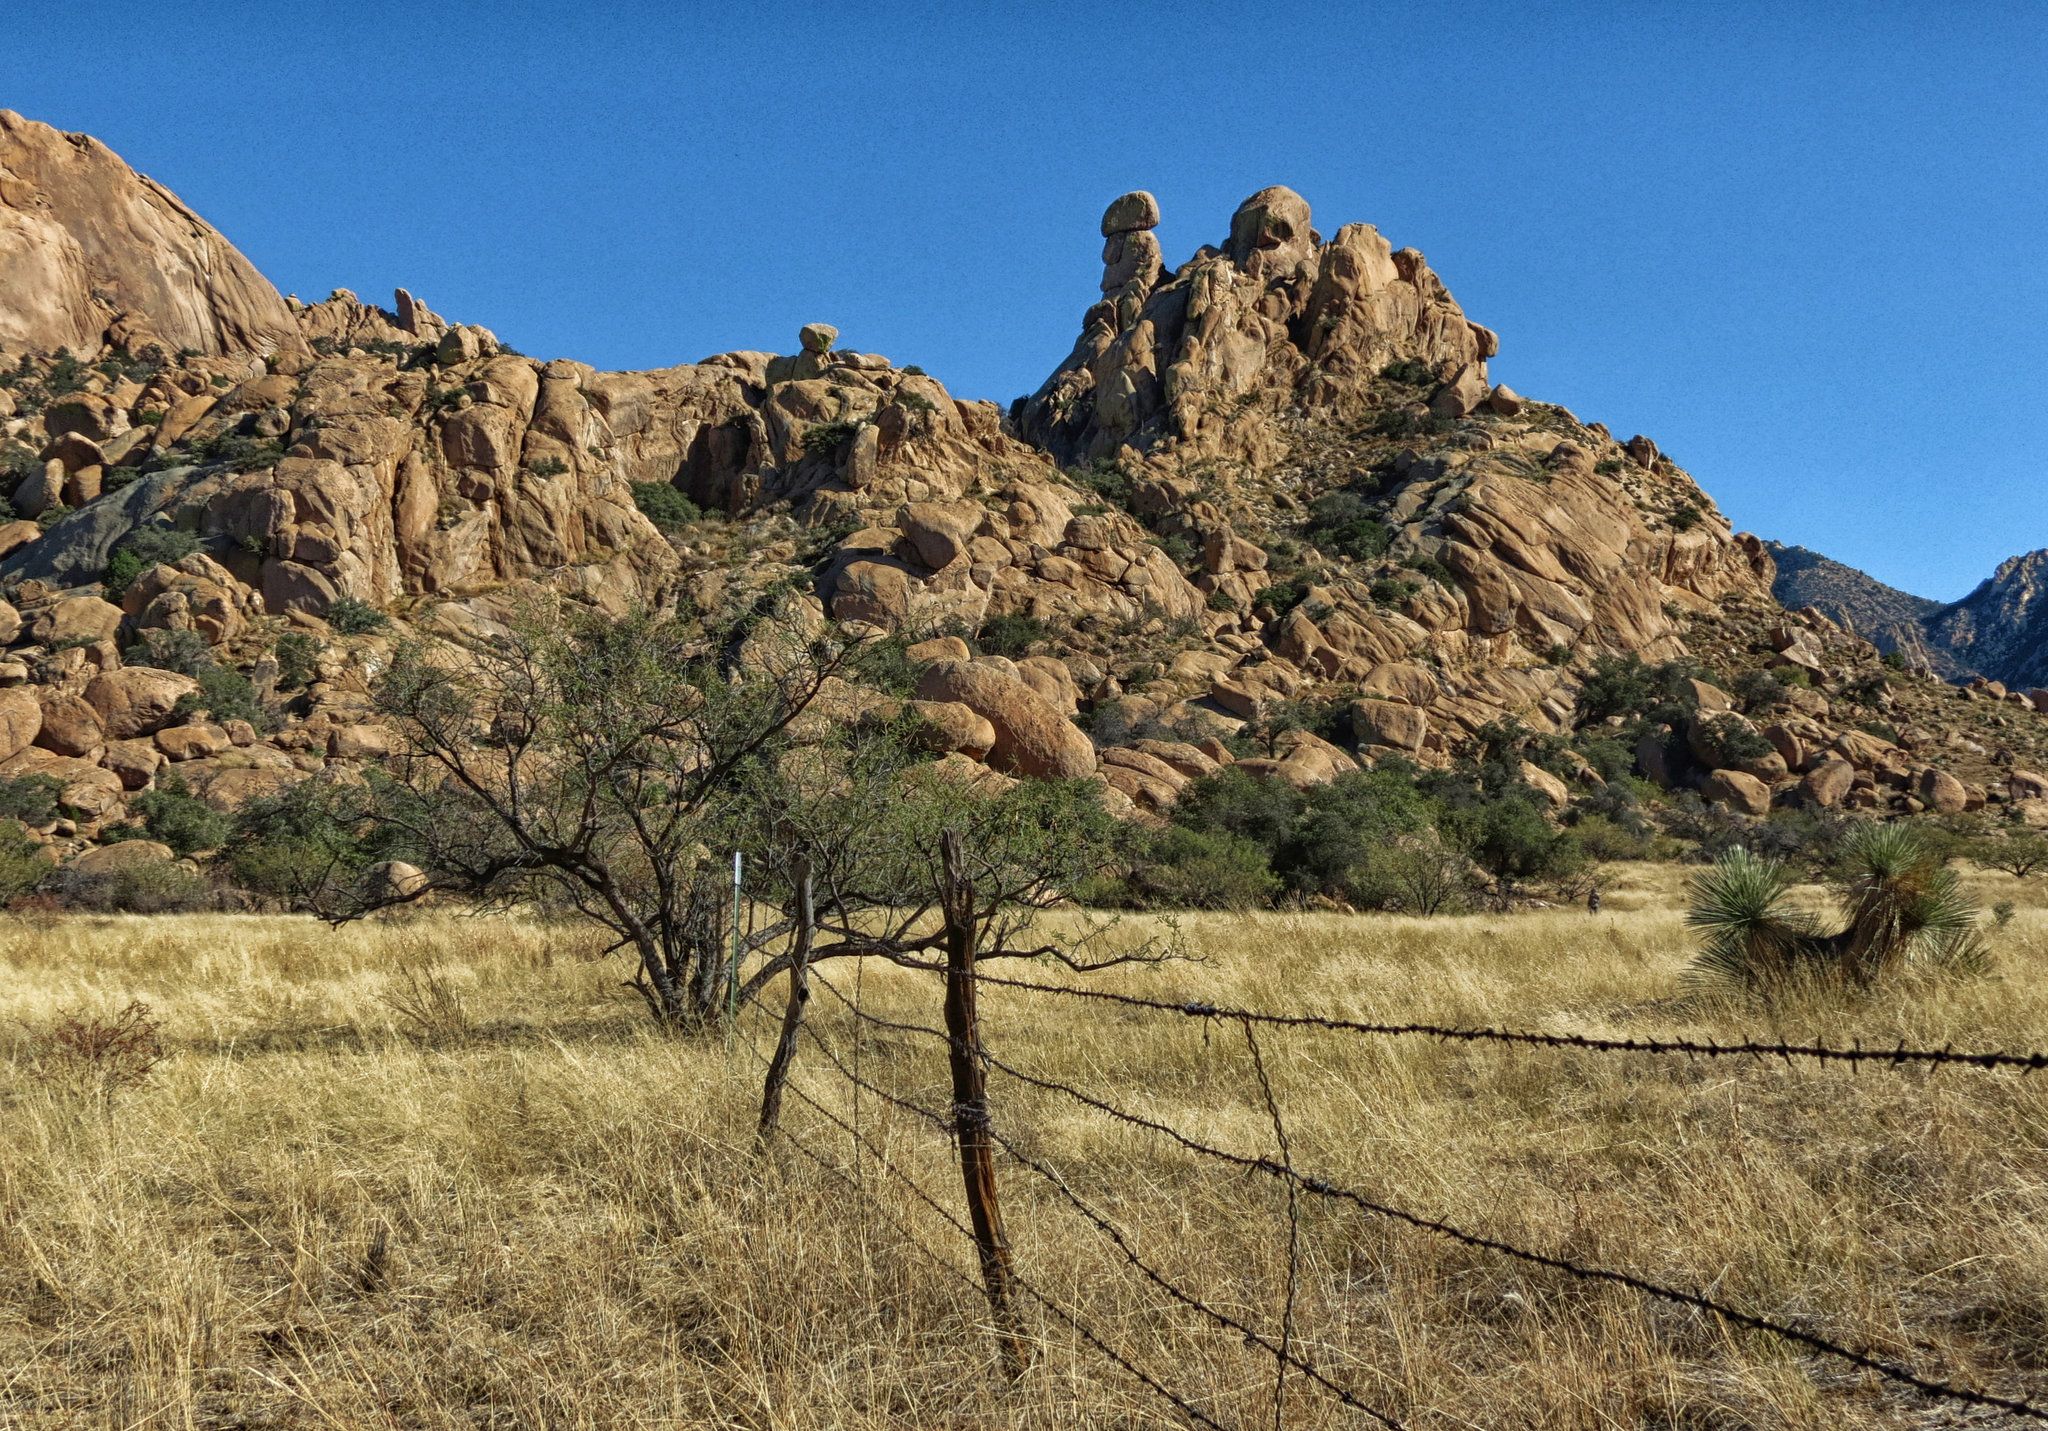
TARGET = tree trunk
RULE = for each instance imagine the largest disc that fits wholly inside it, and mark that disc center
(970, 1104)
(793, 1011)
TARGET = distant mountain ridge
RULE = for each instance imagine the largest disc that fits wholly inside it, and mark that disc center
(1891, 619)
(2001, 628)
(1999, 631)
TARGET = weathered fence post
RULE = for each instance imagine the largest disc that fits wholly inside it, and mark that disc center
(970, 1102)
(793, 1011)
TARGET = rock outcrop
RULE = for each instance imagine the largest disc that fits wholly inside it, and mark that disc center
(91, 251)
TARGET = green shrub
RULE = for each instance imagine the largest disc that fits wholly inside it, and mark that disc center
(298, 660)
(1204, 869)
(1282, 597)
(353, 617)
(1220, 601)
(1342, 523)
(142, 549)
(1894, 660)
(1726, 740)
(23, 861)
(1685, 518)
(172, 815)
(664, 506)
(1608, 466)
(31, 799)
(1104, 478)
(53, 515)
(1510, 839)
(185, 652)
(1011, 635)
(1409, 373)
(826, 437)
(1390, 591)
(1604, 839)
(549, 467)
(1435, 570)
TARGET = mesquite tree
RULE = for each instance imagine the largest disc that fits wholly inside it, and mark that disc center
(610, 767)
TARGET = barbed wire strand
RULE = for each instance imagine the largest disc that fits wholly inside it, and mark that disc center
(1325, 1189)
(1130, 1254)
(1694, 1048)
(1080, 1328)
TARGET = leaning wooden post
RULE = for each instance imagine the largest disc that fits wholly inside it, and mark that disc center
(793, 1011)
(970, 1102)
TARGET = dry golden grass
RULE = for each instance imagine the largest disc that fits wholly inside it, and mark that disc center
(442, 1174)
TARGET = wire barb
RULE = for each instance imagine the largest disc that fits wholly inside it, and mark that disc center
(1692, 1048)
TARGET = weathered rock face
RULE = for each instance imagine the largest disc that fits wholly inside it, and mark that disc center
(88, 246)
(2001, 628)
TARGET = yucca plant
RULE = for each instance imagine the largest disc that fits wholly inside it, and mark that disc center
(1750, 933)
(1901, 906)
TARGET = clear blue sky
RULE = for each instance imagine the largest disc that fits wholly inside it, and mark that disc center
(1799, 245)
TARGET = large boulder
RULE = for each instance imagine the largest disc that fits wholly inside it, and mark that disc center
(947, 726)
(1827, 784)
(137, 700)
(70, 727)
(1941, 792)
(91, 244)
(21, 718)
(1031, 736)
(75, 619)
(1389, 723)
(1737, 791)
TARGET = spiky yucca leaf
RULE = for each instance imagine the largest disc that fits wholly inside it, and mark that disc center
(1901, 905)
(1750, 934)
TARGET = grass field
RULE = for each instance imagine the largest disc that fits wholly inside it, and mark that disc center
(442, 1173)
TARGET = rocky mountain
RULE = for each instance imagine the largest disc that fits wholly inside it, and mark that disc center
(1275, 478)
(1891, 619)
(2001, 628)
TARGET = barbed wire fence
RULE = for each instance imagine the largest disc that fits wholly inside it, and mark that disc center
(968, 1124)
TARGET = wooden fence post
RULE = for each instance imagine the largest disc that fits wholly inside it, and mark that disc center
(970, 1103)
(793, 1011)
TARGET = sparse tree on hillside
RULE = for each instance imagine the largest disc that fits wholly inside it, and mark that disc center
(611, 767)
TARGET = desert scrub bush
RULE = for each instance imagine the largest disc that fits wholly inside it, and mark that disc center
(140, 550)
(1343, 524)
(298, 659)
(223, 691)
(1389, 591)
(97, 1054)
(664, 506)
(1197, 869)
(1430, 567)
(1011, 634)
(30, 799)
(2019, 853)
(1103, 478)
(352, 616)
(1409, 373)
(1899, 905)
(161, 887)
(1685, 518)
(1726, 740)
(172, 815)
(549, 467)
(826, 437)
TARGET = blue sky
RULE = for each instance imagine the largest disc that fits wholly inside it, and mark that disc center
(1800, 246)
